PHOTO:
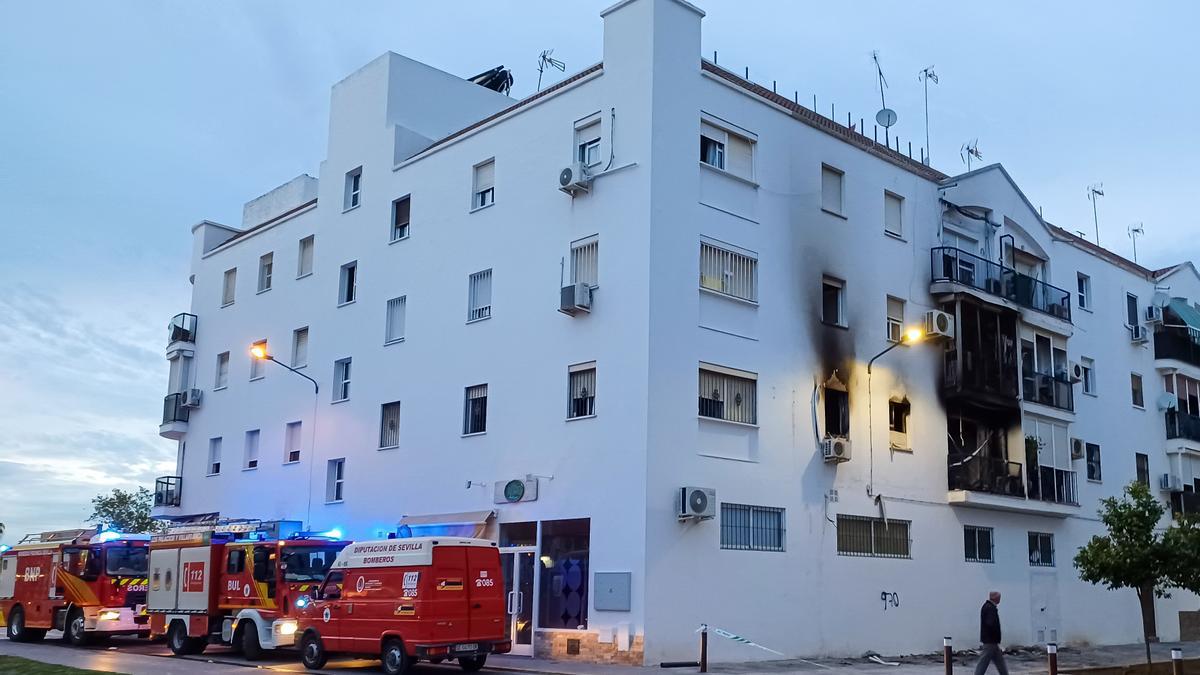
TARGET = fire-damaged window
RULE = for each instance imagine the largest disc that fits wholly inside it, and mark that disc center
(898, 412)
(837, 410)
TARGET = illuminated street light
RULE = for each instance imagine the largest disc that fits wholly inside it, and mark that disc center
(911, 335)
(259, 351)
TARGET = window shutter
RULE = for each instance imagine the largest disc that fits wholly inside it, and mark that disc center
(395, 318)
(739, 157)
(831, 190)
(892, 214)
(300, 348)
(485, 176)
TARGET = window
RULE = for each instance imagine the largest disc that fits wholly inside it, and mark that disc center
(1041, 549)
(214, 456)
(728, 394)
(250, 450)
(727, 151)
(1089, 375)
(752, 528)
(978, 544)
(335, 480)
(733, 273)
(341, 379)
(300, 347)
(581, 382)
(1142, 463)
(265, 265)
(1084, 285)
(1092, 454)
(837, 412)
(228, 287)
(479, 296)
(1131, 310)
(564, 574)
(833, 301)
(895, 319)
(222, 379)
(1135, 390)
(585, 262)
(353, 188)
(401, 210)
(348, 286)
(389, 425)
(874, 537)
(475, 410)
(304, 260)
(257, 365)
(587, 144)
(236, 562)
(394, 328)
(898, 412)
(485, 185)
(831, 189)
(893, 214)
(291, 442)
(712, 146)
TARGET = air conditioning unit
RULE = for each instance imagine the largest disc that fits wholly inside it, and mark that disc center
(994, 287)
(574, 179)
(1154, 314)
(191, 398)
(938, 324)
(1075, 371)
(836, 449)
(575, 298)
(1076, 448)
(696, 503)
(1170, 482)
(1138, 334)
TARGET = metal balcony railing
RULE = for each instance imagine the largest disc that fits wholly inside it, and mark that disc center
(174, 410)
(1182, 425)
(1172, 344)
(1049, 484)
(1055, 391)
(958, 266)
(1185, 503)
(986, 474)
(182, 328)
(167, 490)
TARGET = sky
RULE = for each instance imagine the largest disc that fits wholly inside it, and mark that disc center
(122, 124)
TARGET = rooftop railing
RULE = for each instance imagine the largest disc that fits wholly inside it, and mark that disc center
(955, 265)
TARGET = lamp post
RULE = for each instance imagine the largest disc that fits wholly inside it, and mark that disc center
(911, 336)
(260, 352)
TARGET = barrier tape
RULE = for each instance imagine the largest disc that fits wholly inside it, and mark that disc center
(736, 638)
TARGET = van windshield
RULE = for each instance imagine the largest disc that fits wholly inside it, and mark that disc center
(126, 561)
(307, 563)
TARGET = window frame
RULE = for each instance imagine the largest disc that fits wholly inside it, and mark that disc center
(213, 465)
(251, 450)
(580, 371)
(727, 138)
(1088, 384)
(221, 379)
(976, 530)
(1089, 463)
(348, 284)
(383, 418)
(588, 135)
(579, 252)
(483, 194)
(1141, 459)
(1040, 538)
(353, 191)
(335, 480)
(875, 552)
(292, 434)
(1083, 291)
(398, 304)
(1137, 390)
(469, 417)
(895, 325)
(342, 371)
(1135, 308)
(258, 367)
(830, 170)
(229, 287)
(749, 535)
(296, 362)
(840, 321)
(395, 225)
(475, 311)
(726, 379)
(898, 234)
(738, 271)
(303, 269)
(266, 267)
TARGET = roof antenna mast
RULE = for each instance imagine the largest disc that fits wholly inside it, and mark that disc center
(1096, 190)
(886, 117)
(925, 76)
(546, 58)
(969, 150)
(1135, 230)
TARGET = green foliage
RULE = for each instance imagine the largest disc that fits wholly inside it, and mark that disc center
(1132, 554)
(1182, 543)
(125, 511)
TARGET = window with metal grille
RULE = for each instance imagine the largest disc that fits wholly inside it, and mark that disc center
(250, 456)
(728, 394)
(873, 537)
(728, 272)
(335, 480)
(475, 410)
(585, 262)
(831, 189)
(581, 381)
(222, 379)
(228, 287)
(893, 214)
(485, 185)
(895, 319)
(389, 425)
(752, 528)
(304, 258)
(401, 211)
(1041, 549)
(266, 264)
(479, 295)
(341, 379)
(291, 442)
(214, 456)
(353, 188)
(978, 543)
(348, 283)
(1092, 452)
(258, 366)
(394, 330)
(300, 347)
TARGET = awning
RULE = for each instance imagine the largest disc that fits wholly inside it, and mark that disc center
(1188, 314)
(463, 524)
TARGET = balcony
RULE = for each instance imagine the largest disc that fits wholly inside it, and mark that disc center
(1176, 345)
(997, 484)
(182, 328)
(1055, 391)
(1186, 503)
(175, 417)
(1182, 425)
(953, 265)
(987, 474)
(1058, 486)
(167, 491)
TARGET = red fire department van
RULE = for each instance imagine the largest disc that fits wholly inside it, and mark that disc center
(84, 583)
(234, 582)
(405, 600)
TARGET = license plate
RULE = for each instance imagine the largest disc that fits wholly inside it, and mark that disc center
(467, 647)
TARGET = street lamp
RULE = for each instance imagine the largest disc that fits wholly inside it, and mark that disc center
(259, 351)
(911, 335)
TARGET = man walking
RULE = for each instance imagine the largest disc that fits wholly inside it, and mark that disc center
(989, 635)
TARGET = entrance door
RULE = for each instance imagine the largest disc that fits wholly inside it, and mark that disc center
(519, 585)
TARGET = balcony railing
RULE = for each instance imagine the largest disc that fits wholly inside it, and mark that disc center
(1186, 503)
(958, 266)
(1053, 485)
(174, 410)
(1183, 425)
(182, 328)
(1052, 390)
(1170, 344)
(986, 474)
(167, 490)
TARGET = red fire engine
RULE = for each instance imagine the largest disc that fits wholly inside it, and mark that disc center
(404, 600)
(235, 582)
(84, 583)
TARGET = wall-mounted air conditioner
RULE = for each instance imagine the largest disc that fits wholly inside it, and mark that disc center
(575, 298)
(1077, 448)
(696, 503)
(191, 398)
(1138, 334)
(1170, 482)
(836, 449)
(1154, 314)
(1075, 371)
(574, 178)
(939, 324)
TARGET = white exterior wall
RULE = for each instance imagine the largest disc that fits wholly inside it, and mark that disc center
(650, 328)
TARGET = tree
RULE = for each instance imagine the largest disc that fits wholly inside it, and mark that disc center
(1132, 554)
(125, 511)
(1182, 542)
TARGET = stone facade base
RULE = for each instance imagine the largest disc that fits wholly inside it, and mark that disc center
(1189, 626)
(585, 646)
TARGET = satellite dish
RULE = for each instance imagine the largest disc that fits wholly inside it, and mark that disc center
(1167, 402)
(886, 117)
(1160, 299)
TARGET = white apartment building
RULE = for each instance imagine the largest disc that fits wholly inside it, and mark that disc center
(732, 264)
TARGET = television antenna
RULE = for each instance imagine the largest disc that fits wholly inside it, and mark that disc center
(925, 76)
(968, 150)
(1095, 190)
(1134, 231)
(886, 117)
(546, 59)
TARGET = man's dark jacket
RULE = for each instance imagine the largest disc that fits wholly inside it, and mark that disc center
(989, 624)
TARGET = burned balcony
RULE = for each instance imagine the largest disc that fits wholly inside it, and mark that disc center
(182, 328)
(1181, 425)
(1053, 390)
(986, 474)
(980, 362)
(167, 491)
(948, 264)
(1185, 504)
(1049, 484)
(1176, 344)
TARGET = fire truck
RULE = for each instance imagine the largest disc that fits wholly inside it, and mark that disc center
(234, 582)
(85, 583)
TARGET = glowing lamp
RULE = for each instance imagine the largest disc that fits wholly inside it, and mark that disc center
(259, 351)
(913, 335)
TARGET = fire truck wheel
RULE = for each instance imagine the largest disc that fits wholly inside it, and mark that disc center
(180, 643)
(248, 641)
(17, 632)
(395, 660)
(312, 651)
(472, 664)
(74, 634)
